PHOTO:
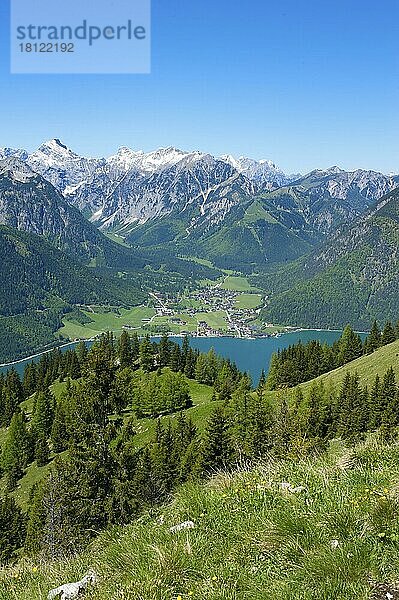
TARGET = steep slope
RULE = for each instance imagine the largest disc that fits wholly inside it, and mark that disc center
(337, 538)
(39, 284)
(322, 200)
(265, 174)
(238, 212)
(28, 202)
(353, 278)
(60, 166)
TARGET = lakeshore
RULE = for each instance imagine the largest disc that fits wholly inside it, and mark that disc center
(250, 355)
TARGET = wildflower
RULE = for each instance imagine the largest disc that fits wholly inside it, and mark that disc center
(179, 597)
(214, 578)
(34, 569)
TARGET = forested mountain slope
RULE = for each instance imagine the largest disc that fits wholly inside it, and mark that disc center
(353, 278)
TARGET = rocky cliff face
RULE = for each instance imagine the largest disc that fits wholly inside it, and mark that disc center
(30, 203)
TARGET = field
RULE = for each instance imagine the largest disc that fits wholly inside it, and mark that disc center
(237, 284)
(248, 301)
(334, 538)
(106, 321)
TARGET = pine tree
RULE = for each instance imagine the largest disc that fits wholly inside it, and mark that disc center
(43, 416)
(81, 352)
(350, 346)
(42, 451)
(218, 451)
(164, 351)
(17, 451)
(389, 408)
(12, 529)
(13, 395)
(59, 434)
(373, 341)
(125, 353)
(184, 352)
(191, 359)
(175, 360)
(388, 334)
(146, 355)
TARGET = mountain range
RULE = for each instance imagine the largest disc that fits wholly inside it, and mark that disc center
(312, 242)
(353, 277)
(239, 213)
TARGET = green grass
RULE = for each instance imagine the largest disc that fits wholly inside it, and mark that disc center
(106, 321)
(255, 212)
(118, 239)
(252, 539)
(248, 301)
(201, 396)
(367, 367)
(237, 284)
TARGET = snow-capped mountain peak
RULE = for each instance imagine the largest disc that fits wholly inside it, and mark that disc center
(16, 169)
(264, 173)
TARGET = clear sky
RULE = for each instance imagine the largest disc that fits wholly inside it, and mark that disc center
(307, 84)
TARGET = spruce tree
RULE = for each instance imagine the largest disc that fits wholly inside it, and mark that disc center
(59, 434)
(350, 346)
(373, 341)
(12, 529)
(388, 334)
(17, 451)
(43, 416)
(218, 450)
(146, 355)
(125, 353)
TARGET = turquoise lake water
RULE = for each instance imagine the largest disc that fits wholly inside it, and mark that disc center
(249, 355)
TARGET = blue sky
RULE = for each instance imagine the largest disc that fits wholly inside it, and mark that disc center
(307, 84)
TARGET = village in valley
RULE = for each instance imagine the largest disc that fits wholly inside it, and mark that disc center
(230, 308)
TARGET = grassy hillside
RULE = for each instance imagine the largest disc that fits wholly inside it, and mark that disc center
(202, 407)
(337, 538)
(367, 367)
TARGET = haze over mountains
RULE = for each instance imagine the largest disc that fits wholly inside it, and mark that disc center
(237, 213)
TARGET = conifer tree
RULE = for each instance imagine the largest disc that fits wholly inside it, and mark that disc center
(388, 334)
(191, 359)
(164, 351)
(17, 451)
(350, 346)
(43, 416)
(81, 352)
(175, 360)
(185, 347)
(13, 395)
(42, 451)
(146, 355)
(373, 341)
(218, 451)
(125, 353)
(59, 434)
(12, 529)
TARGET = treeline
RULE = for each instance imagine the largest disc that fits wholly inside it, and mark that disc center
(302, 362)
